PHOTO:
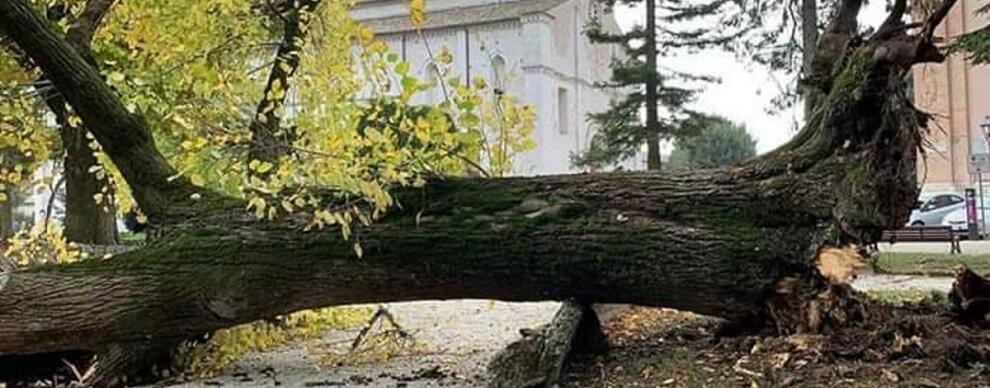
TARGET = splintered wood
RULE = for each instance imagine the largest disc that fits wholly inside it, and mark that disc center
(839, 265)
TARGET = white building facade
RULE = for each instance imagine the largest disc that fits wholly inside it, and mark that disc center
(533, 49)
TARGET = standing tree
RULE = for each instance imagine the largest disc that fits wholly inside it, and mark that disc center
(89, 209)
(744, 242)
(90, 212)
(6, 215)
(662, 92)
(719, 142)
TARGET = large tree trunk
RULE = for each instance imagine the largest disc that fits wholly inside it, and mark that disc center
(738, 242)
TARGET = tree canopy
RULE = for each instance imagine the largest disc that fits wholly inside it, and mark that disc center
(718, 142)
(261, 101)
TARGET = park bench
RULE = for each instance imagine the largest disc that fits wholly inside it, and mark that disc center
(924, 233)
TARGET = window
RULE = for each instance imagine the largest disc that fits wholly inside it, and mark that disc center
(498, 74)
(941, 201)
(562, 111)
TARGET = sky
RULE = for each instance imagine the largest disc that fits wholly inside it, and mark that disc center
(746, 89)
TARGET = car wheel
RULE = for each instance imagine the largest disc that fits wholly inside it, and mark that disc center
(917, 223)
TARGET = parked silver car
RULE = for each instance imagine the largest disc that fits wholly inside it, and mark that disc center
(934, 210)
(958, 221)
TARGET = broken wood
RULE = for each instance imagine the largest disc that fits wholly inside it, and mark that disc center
(381, 316)
(538, 358)
(970, 297)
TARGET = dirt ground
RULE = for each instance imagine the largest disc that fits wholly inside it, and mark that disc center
(667, 348)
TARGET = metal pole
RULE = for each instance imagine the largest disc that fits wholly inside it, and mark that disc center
(983, 210)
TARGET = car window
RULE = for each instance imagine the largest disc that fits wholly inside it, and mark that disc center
(939, 202)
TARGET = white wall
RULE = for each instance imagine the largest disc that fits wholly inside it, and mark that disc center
(543, 52)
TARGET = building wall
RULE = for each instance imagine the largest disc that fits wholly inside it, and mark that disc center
(545, 53)
(369, 9)
(957, 93)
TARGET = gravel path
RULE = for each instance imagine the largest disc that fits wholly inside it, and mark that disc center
(460, 337)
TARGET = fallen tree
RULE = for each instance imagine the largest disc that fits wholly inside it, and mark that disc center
(739, 242)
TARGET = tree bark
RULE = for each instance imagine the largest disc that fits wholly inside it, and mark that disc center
(738, 242)
(86, 221)
(537, 359)
(809, 41)
(7, 215)
(653, 158)
(269, 139)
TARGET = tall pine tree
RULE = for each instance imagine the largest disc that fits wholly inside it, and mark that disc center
(671, 26)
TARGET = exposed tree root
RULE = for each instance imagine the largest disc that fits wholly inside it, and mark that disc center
(842, 323)
(823, 314)
(660, 347)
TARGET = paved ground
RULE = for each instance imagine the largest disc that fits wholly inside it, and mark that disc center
(902, 283)
(460, 337)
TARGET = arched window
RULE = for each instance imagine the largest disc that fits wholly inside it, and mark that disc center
(499, 76)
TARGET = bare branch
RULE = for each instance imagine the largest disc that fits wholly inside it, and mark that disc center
(844, 21)
(893, 23)
(935, 19)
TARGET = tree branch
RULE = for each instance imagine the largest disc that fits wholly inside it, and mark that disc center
(933, 20)
(893, 23)
(831, 47)
(80, 34)
(125, 137)
(270, 141)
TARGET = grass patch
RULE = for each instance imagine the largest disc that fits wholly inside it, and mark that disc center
(930, 264)
(903, 297)
(128, 238)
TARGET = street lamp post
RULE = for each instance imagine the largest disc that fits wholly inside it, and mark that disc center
(985, 127)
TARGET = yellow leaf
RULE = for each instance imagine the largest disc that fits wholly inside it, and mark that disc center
(417, 12)
(115, 76)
